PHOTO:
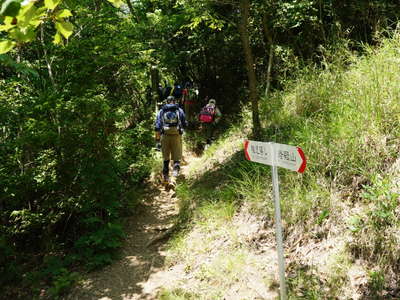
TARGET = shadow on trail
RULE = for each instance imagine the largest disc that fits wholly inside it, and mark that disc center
(128, 277)
(224, 171)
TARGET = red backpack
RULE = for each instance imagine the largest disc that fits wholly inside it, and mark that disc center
(207, 114)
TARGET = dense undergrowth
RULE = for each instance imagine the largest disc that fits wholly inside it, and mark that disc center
(73, 149)
(341, 217)
(66, 181)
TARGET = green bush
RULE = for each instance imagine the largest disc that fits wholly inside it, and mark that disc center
(64, 171)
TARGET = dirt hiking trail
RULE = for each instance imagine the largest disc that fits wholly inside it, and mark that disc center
(139, 273)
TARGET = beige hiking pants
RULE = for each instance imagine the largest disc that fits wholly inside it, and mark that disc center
(171, 146)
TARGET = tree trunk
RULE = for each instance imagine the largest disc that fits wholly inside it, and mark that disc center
(46, 57)
(155, 81)
(269, 41)
(132, 11)
(128, 2)
(251, 74)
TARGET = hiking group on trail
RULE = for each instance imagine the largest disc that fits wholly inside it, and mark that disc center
(178, 111)
(186, 97)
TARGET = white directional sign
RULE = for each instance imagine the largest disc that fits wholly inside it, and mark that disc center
(273, 154)
(277, 155)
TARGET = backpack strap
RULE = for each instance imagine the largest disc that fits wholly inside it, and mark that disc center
(173, 108)
(179, 117)
(179, 126)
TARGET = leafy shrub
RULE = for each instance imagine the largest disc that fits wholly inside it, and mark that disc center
(62, 180)
(8, 266)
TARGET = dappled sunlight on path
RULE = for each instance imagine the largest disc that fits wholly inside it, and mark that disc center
(134, 275)
(142, 271)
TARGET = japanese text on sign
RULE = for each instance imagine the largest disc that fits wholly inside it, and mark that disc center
(285, 156)
(259, 150)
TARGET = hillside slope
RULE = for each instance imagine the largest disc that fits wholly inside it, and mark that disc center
(341, 217)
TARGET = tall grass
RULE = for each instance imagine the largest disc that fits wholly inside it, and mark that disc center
(346, 118)
(348, 123)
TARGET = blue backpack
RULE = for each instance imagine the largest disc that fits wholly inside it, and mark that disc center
(170, 120)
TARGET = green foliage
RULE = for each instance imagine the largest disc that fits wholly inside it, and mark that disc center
(60, 278)
(97, 248)
(340, 117)
(117, 3)
(385, 201)
(62, 281)
(304, 284)
(74, 143)
(323, 216)
(177, 294)
(326, 109)
(250, 185)
(8, 266)
(355, 223)
(10, 8)
(20, 22)
(376, 283)
(374, 228)
(294, 14)
(51, 4)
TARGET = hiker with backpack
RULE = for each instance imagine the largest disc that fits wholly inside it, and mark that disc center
(176, 91)
(209, 117)
(189, 98)
(169, 126)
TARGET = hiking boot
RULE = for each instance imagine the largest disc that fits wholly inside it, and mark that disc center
(176, 168)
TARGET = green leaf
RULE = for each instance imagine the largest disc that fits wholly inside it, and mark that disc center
(116, 3)
(65, 28)
(35, 22)
(51, 4)
(38, 17)
(8, 24)
(64, 13)
(10, 8)
(6, 46)
(26, 14)
(42, 10)
(25, 34)
(58, 39)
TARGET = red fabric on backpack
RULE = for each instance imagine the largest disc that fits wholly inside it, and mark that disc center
(207, 114)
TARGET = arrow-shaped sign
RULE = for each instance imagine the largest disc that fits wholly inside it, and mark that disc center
(268, 153)
(277, 155)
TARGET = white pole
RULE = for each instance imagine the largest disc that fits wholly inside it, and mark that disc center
(278, 231)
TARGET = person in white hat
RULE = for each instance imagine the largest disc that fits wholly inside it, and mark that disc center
(209, 117)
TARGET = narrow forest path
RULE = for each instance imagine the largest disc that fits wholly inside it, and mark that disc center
(139, 273)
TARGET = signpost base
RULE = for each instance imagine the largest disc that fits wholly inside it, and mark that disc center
(278, 231)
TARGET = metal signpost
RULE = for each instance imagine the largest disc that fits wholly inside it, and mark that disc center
(277, 155)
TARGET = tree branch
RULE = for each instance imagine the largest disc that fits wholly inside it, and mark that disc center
(48, 63)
